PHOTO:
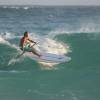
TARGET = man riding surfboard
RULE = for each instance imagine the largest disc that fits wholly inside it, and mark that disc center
(26, 44)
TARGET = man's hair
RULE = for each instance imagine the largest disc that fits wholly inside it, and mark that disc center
(25, 33)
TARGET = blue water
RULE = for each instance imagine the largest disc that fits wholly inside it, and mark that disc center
(70, 30)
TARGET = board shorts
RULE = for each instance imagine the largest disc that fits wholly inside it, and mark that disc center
(28, 48)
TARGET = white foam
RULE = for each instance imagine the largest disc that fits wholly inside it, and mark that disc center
(4, 6)
(3, 41)
(8, 35)
(12, 61)
(26, 8)
(17, 7)
(12, 71)
(52, 46)
(14, 7)
(84, 27)
(48, 45)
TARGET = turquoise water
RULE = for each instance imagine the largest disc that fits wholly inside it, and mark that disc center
(73, 31)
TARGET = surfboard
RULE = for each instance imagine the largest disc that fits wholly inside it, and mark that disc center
(50, 58)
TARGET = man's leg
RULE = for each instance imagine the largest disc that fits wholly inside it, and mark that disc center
(35, 52)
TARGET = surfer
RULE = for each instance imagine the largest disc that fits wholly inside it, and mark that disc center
(26, 44)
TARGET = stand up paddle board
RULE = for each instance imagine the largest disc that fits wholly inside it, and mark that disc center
(49, 58)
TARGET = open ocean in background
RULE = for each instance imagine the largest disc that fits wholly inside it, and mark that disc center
(70, 30)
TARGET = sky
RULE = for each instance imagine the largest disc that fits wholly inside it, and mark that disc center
(49, 2)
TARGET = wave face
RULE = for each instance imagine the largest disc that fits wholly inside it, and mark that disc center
(69, 30)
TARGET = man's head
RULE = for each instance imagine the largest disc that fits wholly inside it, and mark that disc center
(26, 34)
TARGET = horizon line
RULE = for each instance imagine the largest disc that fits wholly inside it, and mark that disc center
(42, 5)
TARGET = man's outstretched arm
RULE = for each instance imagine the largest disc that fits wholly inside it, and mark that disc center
(32, 41)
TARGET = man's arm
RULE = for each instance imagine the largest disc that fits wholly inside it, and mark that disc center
(31, 41)
(22, 43)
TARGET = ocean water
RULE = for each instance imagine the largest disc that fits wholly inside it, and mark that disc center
(70, 30)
